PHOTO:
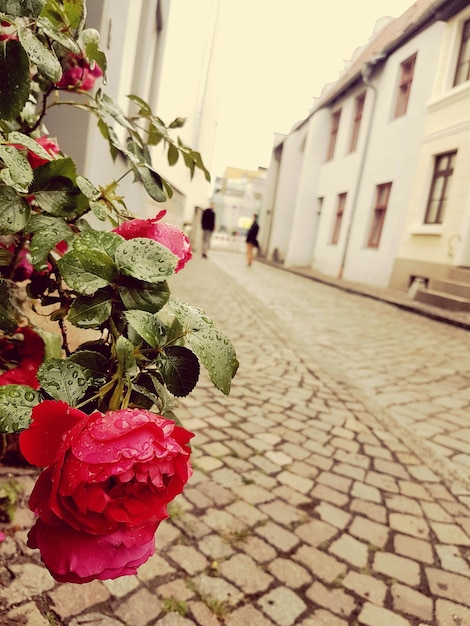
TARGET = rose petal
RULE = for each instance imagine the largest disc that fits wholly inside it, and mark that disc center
(74, 556)
(40, 443)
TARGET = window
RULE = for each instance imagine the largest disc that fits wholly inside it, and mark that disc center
(358, 110)
(382, 196)
(462, 72)
(443, 168)
(338, 217)
(335, 117)
(404, 86)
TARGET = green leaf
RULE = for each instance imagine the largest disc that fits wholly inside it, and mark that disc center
(5, 257)
(48, 232)
(100, 241)
(94, 363)
(15, 211)
(56, 191)
(14, 79)
(90, 311)
(22, 8)
(173, 154)
(44, 59)
(19, 172)
(152, 182)
(213, 348)
(29, 143)
(52, 344)
(145, 259)
(87, 188)
(16, 404)
(144, 108)
(64, 380)
(87, 270)
(7, 313)
(146, 326)
(57, 35)
(144, 296)
(126, 358)
(180, 370)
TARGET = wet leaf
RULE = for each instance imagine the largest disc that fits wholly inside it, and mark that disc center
(16, 404)
(64, 380)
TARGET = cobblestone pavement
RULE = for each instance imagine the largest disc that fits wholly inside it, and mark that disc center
(330, 487)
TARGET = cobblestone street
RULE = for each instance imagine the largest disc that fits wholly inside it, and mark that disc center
(330, 488)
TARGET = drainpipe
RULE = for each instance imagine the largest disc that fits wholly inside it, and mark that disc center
(365, 72)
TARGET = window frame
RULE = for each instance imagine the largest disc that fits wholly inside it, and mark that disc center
(464, 50)
(335, 121)
(379, 211)
(339, 214)
(407, 69)
(359, 103)
(439, 173)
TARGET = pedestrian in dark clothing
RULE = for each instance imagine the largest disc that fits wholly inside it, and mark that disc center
(208, 226)
(252, 240)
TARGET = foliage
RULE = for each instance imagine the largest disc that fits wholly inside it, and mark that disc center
(141, 347)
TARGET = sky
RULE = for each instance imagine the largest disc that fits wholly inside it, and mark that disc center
(278, 56)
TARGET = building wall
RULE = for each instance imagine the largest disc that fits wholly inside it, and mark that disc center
(391, 156)
(430, 249)
(286, 190)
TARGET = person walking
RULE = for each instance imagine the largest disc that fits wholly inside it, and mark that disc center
(208, 226)
(252, 240)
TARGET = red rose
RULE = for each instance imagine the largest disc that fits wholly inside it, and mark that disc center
(26, 351)
(78, 74)
(168, 235)
(107, 483)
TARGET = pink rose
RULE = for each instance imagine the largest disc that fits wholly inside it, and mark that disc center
(78, 74)
(168, 235)
(107, 483)
(26, 351)
(49, 144)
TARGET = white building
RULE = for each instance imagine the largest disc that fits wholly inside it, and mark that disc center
(347, 188)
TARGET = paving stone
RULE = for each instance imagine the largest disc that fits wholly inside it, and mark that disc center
(289, 495)
(322, 565)
(215, 547)
(316, 532)
(322, 492)
(451, 559)
(403, 504)
(373, 615)
(333, 515)
(299, 483)
(217, 589)
(155, 567)
(177, 589)
(397, 567)
(281, 512)
(324, 618)
(448, 585)
(450, 533)
(375, 512)
(221, 521)
(435, 512)
(335, 600)
(351, 550)
(91, 619)
(289, 573)
(413, 548)
(247, 513)
(245, 574)
(29, 580)
(174, 619)
(188, 558)
(366, 492)
(350, 470)
(390, 467)
(254, 494)
(278, 536)
(71, 599)
(27, 614)
(382, 481)
(202, 614)
(366, 586)
(409, 524)
(335, 481)
(120, 587)
(412, 602)
(282, 605)
(247, 615)
(451, 613)
(374, 533)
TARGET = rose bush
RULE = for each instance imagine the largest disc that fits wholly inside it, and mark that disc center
(107, 483)
(95, 400)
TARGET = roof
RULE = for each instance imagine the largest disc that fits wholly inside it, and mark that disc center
(391, 37)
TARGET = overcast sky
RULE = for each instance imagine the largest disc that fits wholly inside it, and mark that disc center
(279, 55)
